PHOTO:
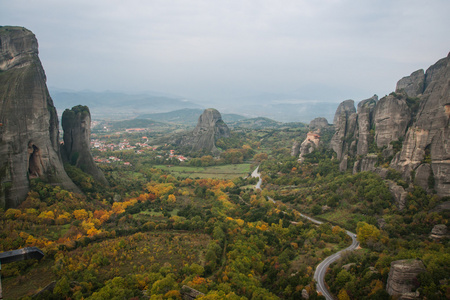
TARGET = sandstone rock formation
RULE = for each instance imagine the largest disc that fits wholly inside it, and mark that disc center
(412, 85)
(210, 127)
(409, 129)
(391, 118)
(318, 123)
(29, 145)
(76, 123)
(399, 194)
(366, 163)
(431, 131)
(401, 278)
(310, 144)
(345, 125)
(295, 150)
(365, 118)
(439, 232)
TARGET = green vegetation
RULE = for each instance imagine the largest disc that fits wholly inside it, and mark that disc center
(217, 172)
(164, 223)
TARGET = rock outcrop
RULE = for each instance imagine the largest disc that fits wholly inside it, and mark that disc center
(401, 278)
(439, 232)
(365, 118)
(408, 130)
(29, 145)
(412, 85)
(345, 125)
(310, 144)
(399, 194)
(76, 123)
(295, 150)
(391, 118)
(427, 140)
(210, 127)
(318, 123)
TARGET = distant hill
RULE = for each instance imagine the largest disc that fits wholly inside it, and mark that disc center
(187, 116)
(135, 123)
(256, 123)
(112, 105)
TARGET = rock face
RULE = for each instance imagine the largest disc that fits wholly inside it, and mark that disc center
(391, 118)
(430, 134)
(310, 144)
(401, 278)
(295, 150)
(399, 194)
(210, 127)
(318, 123)
(76, 123)
(412, 85)
(410, 129)
(365, 118)
(29, 145)
(345, 125)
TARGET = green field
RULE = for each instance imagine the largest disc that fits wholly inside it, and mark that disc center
(218, 172)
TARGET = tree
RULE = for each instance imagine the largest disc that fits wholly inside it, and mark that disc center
(367, 232)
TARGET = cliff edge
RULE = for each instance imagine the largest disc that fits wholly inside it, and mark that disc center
(29, 146)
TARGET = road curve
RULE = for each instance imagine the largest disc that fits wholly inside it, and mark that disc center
(321, 269)
(255, 173)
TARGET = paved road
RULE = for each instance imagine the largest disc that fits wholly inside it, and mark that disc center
(255, 173)
(321, 269)
(319, 274)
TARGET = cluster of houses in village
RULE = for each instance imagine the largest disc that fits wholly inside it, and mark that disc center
(138, 147)
(124, 145)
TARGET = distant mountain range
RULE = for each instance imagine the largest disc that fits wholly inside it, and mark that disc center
(187, 116)
(110, 105)
(115, 106)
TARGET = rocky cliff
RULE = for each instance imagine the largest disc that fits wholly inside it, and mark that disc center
(401, 278)
(29, 145)
(210, 127)
(408, 130)
(345, 125)
(76, 123)
(427, 140)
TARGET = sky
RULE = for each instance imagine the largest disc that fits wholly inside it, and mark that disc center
(326, 50)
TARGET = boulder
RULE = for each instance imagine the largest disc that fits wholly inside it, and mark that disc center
(210, 127)
(76, 123)
(402, 276)
(29, 134)
(412, 85)
(439, 232)
(305, 294)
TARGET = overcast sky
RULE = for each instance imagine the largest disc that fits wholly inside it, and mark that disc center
(217, 50)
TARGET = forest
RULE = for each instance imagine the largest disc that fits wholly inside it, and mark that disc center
(163, 227)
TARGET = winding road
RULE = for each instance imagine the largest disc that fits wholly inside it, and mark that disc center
(321, 269)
